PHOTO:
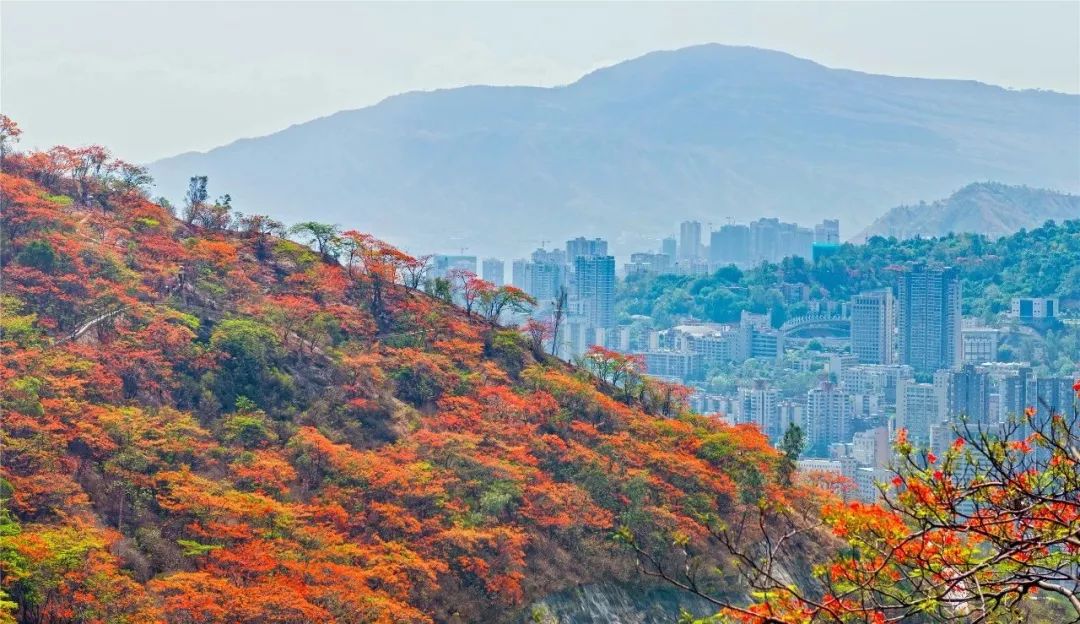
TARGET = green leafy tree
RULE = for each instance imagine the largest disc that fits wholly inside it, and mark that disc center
(249, 367)
(792, 445)
(323, 236)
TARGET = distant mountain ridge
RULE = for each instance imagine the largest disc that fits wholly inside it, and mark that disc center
(988, 208)
(707, 132)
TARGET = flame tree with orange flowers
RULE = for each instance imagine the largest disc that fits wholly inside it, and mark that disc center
(987, 532)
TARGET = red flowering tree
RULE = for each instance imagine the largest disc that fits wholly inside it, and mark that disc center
(538, 332)
(471, 289)
(967, 536)
(621, 370)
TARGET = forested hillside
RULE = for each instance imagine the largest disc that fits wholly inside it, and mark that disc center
(1042, 262)
(206, 421)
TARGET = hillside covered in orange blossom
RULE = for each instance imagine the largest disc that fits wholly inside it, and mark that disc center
(204, 421)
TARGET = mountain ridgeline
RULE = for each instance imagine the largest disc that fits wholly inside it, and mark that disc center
(706, 132)
(987, 208)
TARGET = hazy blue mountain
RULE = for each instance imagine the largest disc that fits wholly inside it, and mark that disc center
(708, 132)
(984, 208)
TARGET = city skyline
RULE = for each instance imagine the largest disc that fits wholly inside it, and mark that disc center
(909, 358)
(827, 232)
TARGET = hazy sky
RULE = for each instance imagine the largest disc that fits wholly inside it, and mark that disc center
(155, 79)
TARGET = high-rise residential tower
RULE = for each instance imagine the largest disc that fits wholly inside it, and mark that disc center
(544, 277)
(757, 404)
(582, 246)
(873, 321)
(594, 289)
(918, 409)
(689, 240)
(730, 245)
(928, 318)
(1054, 394)
(765, 240)
(829, 415)
(828, 232)
(969, 395)
(1018, 391)
(494, 271)
(669, 246)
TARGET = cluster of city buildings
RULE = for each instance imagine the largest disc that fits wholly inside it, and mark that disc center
(764, 240)
(579, 279)
(896, 357)
(856, 419)
(912, 362)
(684, 353)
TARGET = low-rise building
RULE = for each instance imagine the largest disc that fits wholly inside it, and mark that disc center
(646, 263)
(714, 342)
(1034, 308)
(875, 379)
(872, 447)
(850, 479)
(841, 473)
(980, 344)
(708, 403)
(868, 480)
(684, 365)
